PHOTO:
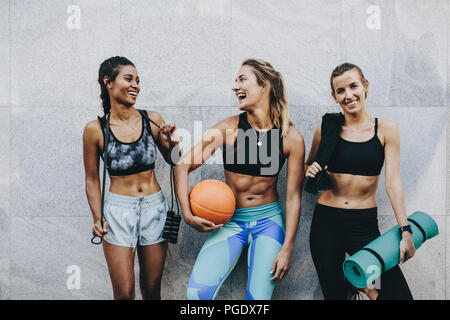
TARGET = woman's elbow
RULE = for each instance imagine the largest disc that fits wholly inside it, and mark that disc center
(181, 168)
(91, 184)
(393, 185)
(294, 198)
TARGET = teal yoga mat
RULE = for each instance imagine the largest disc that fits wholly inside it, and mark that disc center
(383, 253)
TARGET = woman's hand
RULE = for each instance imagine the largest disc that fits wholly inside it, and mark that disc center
(312, 170)
(98, 231)
(407, 248)
(281, 265)
(169, 130)
(202, 225)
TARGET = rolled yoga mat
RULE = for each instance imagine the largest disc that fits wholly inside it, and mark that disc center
(383, 253)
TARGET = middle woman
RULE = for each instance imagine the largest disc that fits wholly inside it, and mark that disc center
(255, 145)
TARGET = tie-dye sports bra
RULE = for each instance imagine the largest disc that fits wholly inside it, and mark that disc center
(126, 158)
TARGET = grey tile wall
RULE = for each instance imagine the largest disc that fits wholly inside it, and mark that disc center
(300, 38)
(182, 49)
(187, 54)
(404, 60)
(4, 53)
(57, 48)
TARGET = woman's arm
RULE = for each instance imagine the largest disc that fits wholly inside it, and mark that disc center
(393, 183)
(91, 137)
(213, 139)
(314, 145)
(161, 135)
(311, 167)
(295, 146)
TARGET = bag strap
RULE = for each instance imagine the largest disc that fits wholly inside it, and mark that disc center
(105, 164)
(172, 165)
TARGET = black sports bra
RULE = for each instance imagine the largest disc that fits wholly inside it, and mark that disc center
(254, 153)
(358, 158)
(125, 158)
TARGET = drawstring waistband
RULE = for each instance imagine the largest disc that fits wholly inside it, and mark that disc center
(138, 205)
(138, 213)
(135, 202)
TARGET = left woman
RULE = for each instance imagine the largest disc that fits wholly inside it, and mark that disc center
(135, 208)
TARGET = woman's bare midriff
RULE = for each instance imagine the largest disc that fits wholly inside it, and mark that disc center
(252, 191)
(350, 192)
(135, 185)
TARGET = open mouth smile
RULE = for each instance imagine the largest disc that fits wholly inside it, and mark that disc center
(241, 96)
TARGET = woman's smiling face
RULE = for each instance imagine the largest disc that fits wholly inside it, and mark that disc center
(125, 87)
(350, 92)
(247, 89)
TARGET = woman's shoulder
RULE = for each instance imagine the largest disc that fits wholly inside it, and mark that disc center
(388, 124)
(294, 134)
(228, 123)
(388, 127)
(93, 130)
(293, 139)
(93, 125)
(388, 130)
(153, 114)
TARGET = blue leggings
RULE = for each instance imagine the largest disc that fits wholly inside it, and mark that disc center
(262, 228)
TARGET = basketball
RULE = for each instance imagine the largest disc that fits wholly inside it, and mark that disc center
(212, 200)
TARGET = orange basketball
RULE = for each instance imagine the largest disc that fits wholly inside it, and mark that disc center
(212, 200)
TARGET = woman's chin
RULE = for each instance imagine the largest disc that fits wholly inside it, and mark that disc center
(242, 107)
(351, 110)
(129, 103)
(246, 106)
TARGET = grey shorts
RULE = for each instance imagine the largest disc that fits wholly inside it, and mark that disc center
(135, 221)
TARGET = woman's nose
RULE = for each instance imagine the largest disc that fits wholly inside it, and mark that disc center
(348, 94)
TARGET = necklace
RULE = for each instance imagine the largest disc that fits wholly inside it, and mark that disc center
(259, 143)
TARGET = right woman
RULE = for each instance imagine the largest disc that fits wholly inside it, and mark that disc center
(345, 216)
(258, 222)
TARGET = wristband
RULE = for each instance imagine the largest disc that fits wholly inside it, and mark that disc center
(405, 228)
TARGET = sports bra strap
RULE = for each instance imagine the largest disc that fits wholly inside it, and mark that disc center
(376, 126)
(145, 115)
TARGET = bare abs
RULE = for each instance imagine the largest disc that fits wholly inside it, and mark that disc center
(252, 191)
(135, 185)
(350, 192)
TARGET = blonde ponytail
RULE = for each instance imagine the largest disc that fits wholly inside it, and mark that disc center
(266, 75)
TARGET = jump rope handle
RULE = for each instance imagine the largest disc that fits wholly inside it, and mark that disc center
(105, 163)
(173, 219)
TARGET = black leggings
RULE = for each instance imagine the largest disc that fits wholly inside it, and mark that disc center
(335, 231)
